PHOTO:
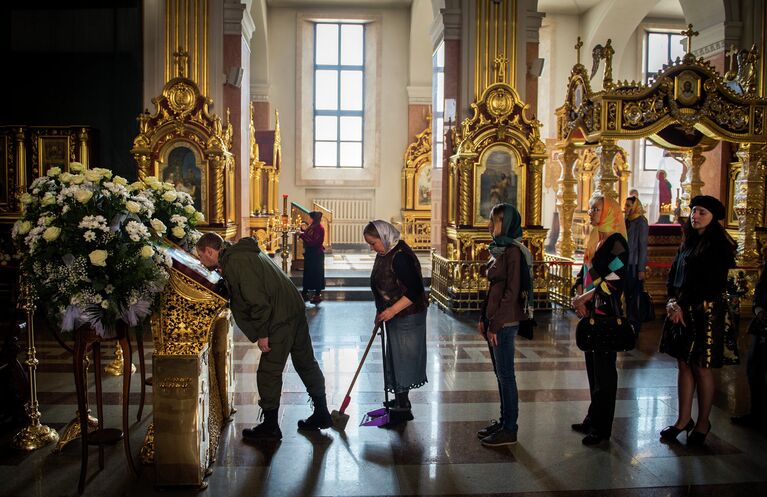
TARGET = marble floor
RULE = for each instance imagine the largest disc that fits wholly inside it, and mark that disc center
(437, 453)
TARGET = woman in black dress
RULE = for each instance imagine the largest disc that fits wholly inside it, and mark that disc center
(697, 331)
(314, 258)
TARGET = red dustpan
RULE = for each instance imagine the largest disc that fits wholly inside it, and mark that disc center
(380, 416)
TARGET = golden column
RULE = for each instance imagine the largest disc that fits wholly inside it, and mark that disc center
(21, 166)
(567, 200)
(536, 202)
(217, 209)
(83, 142)
(692, 160)
(464, 170)
(749, 200)
(606, 177)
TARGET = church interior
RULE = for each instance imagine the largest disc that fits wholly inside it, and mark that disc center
(252, 114)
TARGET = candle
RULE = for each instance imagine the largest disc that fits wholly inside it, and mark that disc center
(284, 204)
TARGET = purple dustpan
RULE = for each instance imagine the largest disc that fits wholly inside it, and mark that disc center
(376, 417)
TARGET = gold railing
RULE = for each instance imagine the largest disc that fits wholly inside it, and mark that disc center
(461, 286)
(417, 233)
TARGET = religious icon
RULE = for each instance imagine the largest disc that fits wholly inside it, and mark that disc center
(54, 152)
(182, 171)
(687, 87)
(423, 194)
(497, 182)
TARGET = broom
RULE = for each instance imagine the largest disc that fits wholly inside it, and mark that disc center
(340, 419)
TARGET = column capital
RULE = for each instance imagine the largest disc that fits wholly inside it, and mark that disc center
(237, 20)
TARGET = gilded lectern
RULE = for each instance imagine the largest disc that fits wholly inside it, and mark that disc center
(193, 376)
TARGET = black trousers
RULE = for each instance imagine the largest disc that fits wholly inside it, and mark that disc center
(603, 385)
(632, 287)
(756, 369)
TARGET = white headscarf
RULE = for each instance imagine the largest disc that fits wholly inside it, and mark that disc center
(388, 234)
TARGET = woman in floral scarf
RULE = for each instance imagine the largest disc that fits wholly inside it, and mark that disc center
(599, 289)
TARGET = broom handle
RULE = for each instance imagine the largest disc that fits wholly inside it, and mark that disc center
(359, 368)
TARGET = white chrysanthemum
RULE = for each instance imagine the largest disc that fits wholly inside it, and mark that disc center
(89, 236)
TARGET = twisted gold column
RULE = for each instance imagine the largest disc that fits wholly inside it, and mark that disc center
(567, 200)
(35, 435)
(217, 210)
(749, 200)
(606, 177)
(465, 190)
(536, 199)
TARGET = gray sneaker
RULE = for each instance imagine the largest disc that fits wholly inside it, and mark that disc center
(490, 429)
(499, 438)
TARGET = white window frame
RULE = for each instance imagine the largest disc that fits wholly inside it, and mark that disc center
(306, 173)
(644, 143)
(338, 113)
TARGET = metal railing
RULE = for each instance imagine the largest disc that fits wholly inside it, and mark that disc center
(461, 286)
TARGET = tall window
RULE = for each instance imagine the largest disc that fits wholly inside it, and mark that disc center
(339, 70)
(438, 104)
(659, 48)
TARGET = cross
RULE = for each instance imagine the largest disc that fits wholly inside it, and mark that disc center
(578, 48)
(689, 33)
(500, 68)
(181, 57)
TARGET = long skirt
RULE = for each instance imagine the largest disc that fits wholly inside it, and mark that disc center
(314, 269)
(406, 352)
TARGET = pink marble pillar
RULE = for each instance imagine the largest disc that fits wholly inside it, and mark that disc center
(237, 100)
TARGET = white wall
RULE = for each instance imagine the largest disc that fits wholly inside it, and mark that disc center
(394, 69)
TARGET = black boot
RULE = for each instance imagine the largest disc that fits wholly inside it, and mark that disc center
(320, 418)
(268, 430)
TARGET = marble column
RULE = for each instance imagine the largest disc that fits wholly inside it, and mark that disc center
(238, 29)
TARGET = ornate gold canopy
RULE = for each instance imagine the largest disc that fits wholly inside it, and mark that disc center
(689, 107)
(187, 145)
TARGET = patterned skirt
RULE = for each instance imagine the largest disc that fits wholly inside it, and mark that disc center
(708, 340)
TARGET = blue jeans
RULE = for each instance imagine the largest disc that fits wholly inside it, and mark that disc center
(507, 379)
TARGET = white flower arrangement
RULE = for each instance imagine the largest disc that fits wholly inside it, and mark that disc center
(173, 214)
(86, 245)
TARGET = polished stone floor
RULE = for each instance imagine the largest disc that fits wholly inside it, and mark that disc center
(438, 453)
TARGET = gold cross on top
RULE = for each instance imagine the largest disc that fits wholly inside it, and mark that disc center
(578, 49)
(500, 68)
(689, 33)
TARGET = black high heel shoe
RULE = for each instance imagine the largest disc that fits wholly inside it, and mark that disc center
(697, 438)
(671, 432)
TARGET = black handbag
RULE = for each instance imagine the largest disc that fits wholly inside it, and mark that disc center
(604, 334)
(646, 309)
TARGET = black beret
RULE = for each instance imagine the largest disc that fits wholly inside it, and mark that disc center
(711, 204)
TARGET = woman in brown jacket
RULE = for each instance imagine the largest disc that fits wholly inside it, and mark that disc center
(507, 303)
